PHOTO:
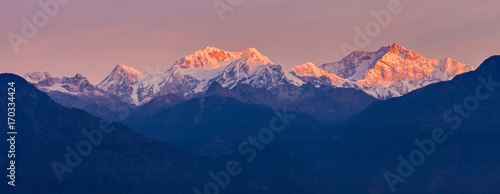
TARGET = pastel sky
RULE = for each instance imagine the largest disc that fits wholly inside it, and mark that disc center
(91, 37)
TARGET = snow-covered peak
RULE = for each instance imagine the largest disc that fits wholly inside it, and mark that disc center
(253, 53)
(390, 71)
(120, 74)
(126, 70)
(393, 63)
(214, 58)
(210, 49)
(38, 76)
(309, 69)
(397, 47)
(120, 82)
(403, 64)
(355, 65)
(254, 58)
(76, 85)
(193, 74)
(397, 52)
(209, 57)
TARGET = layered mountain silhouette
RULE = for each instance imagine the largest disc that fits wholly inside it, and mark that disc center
(391, 71)
(123, 161)
(374, 122)
(217, 125)
(465, 108)
(357, 153)
(326, 104)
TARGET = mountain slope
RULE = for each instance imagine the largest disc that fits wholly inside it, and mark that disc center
(46, 128)
(466, 162)
(216, 125)
(257, 84)
(77, 92)
(326, 104)
(123, 162)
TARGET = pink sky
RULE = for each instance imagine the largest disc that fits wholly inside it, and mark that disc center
(91, 37)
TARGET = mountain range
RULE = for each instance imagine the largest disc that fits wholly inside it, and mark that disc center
(356, 153)
(463, 111)
(341, 139)
(391, 71)
(121, 160)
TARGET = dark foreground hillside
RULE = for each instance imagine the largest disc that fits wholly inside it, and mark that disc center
(119, 161)
(454, 125)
